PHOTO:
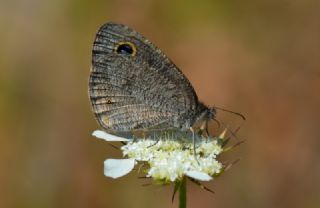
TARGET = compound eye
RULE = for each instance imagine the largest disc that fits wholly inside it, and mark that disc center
(126, 48)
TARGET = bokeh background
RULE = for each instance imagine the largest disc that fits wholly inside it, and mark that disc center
(260, 58)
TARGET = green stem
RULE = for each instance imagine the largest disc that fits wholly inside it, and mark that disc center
(183, 193)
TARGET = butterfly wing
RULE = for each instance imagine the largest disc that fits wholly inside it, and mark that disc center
(134, 86)
(115, 97)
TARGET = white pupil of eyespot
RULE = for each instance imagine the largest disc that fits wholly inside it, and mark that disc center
(125, 49)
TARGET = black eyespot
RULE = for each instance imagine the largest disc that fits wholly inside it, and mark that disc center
(126, 48)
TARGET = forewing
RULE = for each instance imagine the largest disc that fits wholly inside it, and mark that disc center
(143, 91)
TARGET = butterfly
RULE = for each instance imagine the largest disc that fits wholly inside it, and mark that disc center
(134, 86)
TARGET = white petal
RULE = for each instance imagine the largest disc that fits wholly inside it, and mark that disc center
(116, 168)
(109, 137)
(198, 175)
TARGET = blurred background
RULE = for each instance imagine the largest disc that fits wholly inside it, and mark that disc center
(260, 58)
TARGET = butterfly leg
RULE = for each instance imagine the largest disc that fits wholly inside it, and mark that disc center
(204, 129)
(157, 139)
(194, 144)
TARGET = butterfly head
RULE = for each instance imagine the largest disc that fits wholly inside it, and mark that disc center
(211, 113)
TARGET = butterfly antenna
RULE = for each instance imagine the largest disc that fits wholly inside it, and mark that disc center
(220, 123)
(229, 111)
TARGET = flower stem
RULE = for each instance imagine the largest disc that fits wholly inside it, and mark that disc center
(183, 193)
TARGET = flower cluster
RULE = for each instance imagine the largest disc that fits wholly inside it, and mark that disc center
(166, 160)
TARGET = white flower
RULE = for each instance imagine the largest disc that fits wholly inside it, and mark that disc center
(168, 160)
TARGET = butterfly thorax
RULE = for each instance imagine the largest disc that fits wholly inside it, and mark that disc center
(198, 118)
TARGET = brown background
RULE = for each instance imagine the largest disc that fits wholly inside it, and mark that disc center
(260, 58)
